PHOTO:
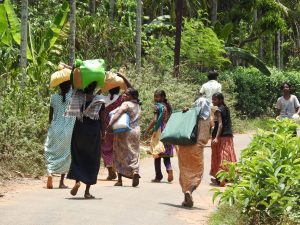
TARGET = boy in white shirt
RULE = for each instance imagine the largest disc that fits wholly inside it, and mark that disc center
(211, 87)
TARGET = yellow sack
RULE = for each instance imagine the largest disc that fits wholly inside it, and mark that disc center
(59, 77)
(113, 81)
(156, 146)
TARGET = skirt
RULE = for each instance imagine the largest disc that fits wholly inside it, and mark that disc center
(127, 152)
(85, 145)
(190, 158)
(221, 151)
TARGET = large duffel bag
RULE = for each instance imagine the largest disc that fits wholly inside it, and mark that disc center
(87, 72)
(182, 128)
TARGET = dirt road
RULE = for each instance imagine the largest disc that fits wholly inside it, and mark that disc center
(149, 204)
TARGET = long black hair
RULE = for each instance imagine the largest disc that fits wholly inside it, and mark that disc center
(163, 94)
(90, 88)
(220, 97)
(114, 91)
(65, 88)
(134, 94)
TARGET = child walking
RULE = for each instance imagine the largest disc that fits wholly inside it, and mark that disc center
(162, 112)
(222, 138)
(58, 142)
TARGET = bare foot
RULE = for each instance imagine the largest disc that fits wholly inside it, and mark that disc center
(135, 180)
(170, 176)
(75, 189)
(49, 183)
(188, 200)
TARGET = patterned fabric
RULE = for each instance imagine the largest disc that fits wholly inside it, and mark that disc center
(126, 145)
(221, 151)
(78, 101)
(58, 142)
(205, 107)
(162, 109)
(107, 145)
(190, 158)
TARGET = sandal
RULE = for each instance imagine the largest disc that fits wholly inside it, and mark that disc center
(136, 180)
(119, 184)
(89, 196)
(188, 200)
(62, 186)
(75, 189)
(155, 180)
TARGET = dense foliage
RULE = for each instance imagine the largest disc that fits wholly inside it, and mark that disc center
(266, 179)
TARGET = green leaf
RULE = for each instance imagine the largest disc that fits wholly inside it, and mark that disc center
(5, 37)
(54, 30)
(250, 58)
(15, 26)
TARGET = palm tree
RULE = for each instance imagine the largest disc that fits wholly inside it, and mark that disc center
(72, 22)
(179, 11)
(23, 45)
(138, 35)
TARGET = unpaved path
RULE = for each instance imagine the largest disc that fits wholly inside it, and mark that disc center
(148, 204)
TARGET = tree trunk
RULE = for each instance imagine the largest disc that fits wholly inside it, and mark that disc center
(277, 49)
(179, 11)
(214, 11)
(261, 48)
(281, 51)
(138, 35)
(23, 47)
(72, 32)
(111, 10)
(92, 6)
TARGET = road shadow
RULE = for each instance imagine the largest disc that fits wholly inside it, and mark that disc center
(82, 198)
(181, 207)
(57, 188)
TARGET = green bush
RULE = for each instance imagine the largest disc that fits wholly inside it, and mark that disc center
(266, 179)
(256, 94)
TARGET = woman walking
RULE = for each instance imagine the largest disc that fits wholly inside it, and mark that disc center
(58, 142)
(86, 139)
(222, 139)
(190, 157)
(127, 144)
(162, 113)
(112, 101)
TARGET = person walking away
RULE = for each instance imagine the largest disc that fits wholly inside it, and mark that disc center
(222, 139)
(127, 144)
(112, 101)
(162, 113)
(190, 157)
(58, 142)
(211, 87)
(288, 104)
(86, 139)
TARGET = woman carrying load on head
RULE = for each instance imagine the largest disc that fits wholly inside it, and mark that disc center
(190, 157)
(112, 101)
(88, 109)
(126, 144)
(58, 142)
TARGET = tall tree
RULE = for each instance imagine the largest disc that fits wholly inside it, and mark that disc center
(138, 35)
(111, 10)
(214, 11)
(23, 45)
(72, 35)
(278, 49)
(92, 6)
(179, 11)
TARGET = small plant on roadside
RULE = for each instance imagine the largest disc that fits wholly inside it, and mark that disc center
(266, 179)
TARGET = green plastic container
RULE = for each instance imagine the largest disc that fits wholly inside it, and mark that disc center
(87, 72)
(182, 128)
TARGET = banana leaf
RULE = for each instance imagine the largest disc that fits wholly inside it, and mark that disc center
(249, 58)
(4, 30)
(54, 30)
(15, 26)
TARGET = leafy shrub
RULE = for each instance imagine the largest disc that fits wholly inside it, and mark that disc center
(266, 182)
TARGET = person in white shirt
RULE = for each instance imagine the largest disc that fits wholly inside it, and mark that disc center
(211, 87)
(288, 104)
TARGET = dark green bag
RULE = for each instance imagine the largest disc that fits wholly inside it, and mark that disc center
(182, 128)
